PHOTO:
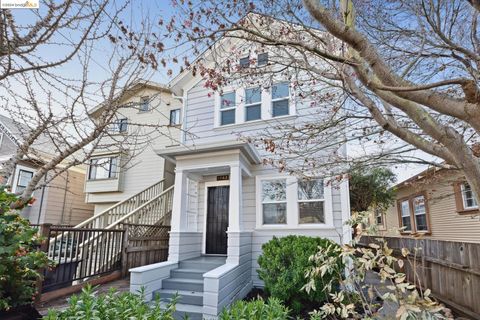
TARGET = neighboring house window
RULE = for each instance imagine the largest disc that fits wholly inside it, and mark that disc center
(120, 125)
(262, 59)
(379, 217)
(280, 99)
(245, 62)
(144, 104)
(274, 201)
(23, 180)
(253, 104)
(103, 168)
(468, 197)
(414, 214)
(405, 214)
(420, 212)
(175, 117)
(311, 201)
(227, 108)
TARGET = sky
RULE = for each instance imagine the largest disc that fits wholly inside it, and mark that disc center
(136, 13)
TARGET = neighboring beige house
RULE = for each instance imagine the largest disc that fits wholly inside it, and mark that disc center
(116, 174)
(437, 204)
(63, 200)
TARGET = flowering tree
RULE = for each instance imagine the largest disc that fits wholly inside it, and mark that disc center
(406, 72)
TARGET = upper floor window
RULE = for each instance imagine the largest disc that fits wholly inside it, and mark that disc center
(244, 62)
(274, 201)
(414, 214)
(119, 125)
(227, 108)
(280, 99)
(174, 117)
(468, 197)
(379, 217)
(24, 177)
(253, 104)
(262, 59)
(144, 104)
(103, 168)
(311, 201)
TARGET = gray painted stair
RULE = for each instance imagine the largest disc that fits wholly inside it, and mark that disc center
(187, 282)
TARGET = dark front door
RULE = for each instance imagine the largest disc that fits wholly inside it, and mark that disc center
(217, 220)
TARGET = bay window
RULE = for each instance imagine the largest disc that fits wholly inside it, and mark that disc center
(227, 108)
(103, 168)
(311, 201)
(274, 201)
(253, 104)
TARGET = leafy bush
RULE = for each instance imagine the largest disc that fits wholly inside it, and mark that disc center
(112, 306)
(19, 258)
(283, 264)
(256, 310)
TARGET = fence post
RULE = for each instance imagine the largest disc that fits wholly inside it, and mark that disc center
(124, 252)
(43, 232)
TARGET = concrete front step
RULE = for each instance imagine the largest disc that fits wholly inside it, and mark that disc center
(183, 284)
(187, 274)
(184, 297)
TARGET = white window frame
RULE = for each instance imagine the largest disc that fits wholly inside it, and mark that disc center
(145, 100)
(18, 168)
(292, 205)
(179, 110)
(109, 156)
(115, 127)
(289, 98)
(464, 200)
(424, 213)
(409, 215)
(246, 105)
(312, 200)
(274, 201)
(219, 110)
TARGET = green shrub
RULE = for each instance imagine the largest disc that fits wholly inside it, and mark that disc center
(19, 258)
(256, 310)
(112, 306)
(283, 265)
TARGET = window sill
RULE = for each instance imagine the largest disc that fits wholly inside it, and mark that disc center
(145, 111)
(103, 179)
(294, 227)
(247, 123)
(415, 233)
(174, 125)
(468, 211)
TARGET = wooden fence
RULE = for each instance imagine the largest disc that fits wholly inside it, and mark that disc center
(451, 270)
(144, 244)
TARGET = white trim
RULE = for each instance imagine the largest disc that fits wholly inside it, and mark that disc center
(464, 202)
(209, 184)
(345, 205)
(292, 205)
(16, 176)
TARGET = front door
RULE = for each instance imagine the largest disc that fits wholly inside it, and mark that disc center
(217, 220)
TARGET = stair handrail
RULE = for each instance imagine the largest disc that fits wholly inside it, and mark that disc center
(104, 212)
(119, 221)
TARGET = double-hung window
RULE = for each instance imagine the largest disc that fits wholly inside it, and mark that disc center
(119, 125)
(420, 213)
(174, 117)
(244, 62)
(227, 108)
(144, 104)
(280, 99)
(274, 201)
(103, 168)
(311, 201)
(405, 215)
(468, 197)
(253, 104)
(413, 213)
(23, 180)
(262, 59)
(379, 217)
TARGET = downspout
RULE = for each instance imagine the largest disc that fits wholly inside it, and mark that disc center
(64, 199)
(41, 199)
